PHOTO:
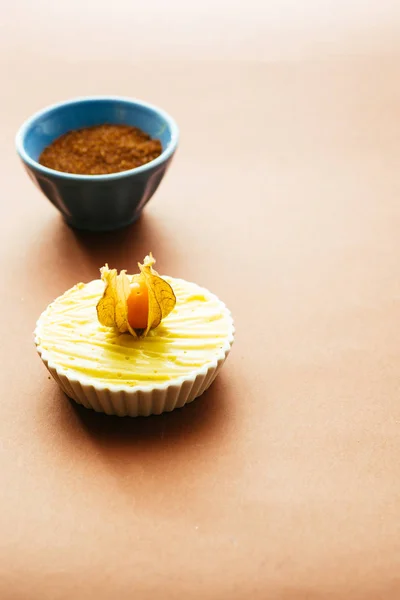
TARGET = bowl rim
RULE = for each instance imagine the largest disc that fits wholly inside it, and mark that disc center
(164, 156)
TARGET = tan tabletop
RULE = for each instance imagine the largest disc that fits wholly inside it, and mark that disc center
(283, 481)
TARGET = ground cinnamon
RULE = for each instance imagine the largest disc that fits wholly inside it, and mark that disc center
(100, 150)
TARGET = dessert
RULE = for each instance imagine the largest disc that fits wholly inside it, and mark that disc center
(135, 344)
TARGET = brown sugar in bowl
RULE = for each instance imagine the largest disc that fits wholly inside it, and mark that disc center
(100, 150)
(97, 202)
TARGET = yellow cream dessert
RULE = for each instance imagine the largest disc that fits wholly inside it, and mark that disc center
(119, 369)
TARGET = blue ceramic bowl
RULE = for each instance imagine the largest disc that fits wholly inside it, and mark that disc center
(97, 202)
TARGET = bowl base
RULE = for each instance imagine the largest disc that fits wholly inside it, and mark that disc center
(101, 227)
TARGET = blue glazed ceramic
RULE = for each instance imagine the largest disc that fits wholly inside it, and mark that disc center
(97, 202)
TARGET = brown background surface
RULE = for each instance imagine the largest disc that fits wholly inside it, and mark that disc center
(282, 482)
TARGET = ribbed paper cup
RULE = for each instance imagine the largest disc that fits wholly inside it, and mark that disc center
(137, 401)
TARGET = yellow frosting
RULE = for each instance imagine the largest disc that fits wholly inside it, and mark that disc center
(192, 336)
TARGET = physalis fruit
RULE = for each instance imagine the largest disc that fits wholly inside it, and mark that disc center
(136, 303)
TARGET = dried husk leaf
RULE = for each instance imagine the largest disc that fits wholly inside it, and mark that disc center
(112, 308)
(162, 299)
